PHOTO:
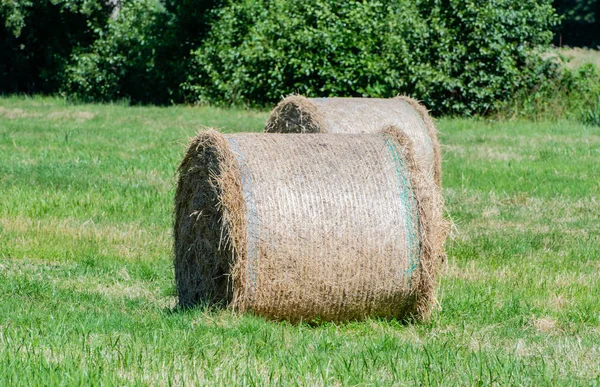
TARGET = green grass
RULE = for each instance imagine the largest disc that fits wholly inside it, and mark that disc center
(571, 91)
(86, 282)
(577, 56)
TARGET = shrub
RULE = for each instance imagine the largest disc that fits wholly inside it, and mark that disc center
(591, 116)
(120, 63)
(259, 51)
(483, 51)
(37, 38)
(564, 93)
(142, 53)
(459, 57)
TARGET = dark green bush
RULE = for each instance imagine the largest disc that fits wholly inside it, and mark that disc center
(38, 36)
(259, 51)
(486, 50)
(459, 57)
(120, 62)
(591, 116)
(141, 54)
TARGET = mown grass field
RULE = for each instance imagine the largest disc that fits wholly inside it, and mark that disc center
(86, 280)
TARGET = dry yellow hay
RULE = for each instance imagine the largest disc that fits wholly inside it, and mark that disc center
(308, 226)
(297, 114)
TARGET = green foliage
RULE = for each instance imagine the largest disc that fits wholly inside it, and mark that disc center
(577, 10)
(121, 63)
(258, 52)
(482, 51)
(570, 93)
(459, 57)
(191, 23)
(591, 116)
(142, 53)
(37, 38)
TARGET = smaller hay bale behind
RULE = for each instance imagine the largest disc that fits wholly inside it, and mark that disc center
(305, 227)
(298, 114)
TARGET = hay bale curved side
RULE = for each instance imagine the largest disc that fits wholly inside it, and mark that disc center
(315, 226)
(298, 114)
(434, 229)
(432, 131)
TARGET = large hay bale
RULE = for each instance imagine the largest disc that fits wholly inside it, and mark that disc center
(298, 114)
(305, 227)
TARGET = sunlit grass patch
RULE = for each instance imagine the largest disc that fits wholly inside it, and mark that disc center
(86, 279)
(577, 56)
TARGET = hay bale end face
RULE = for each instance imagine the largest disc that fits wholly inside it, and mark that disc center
(305, 227)
(298, 114)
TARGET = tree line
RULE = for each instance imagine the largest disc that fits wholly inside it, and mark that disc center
(459, 57)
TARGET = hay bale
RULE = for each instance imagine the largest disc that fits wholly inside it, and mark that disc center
(301, 227)
(297, 114)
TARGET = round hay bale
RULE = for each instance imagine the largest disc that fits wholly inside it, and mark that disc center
(298, 114)
(305, 227)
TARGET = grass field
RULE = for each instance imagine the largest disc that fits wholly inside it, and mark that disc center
(86, 281)
(578, 56)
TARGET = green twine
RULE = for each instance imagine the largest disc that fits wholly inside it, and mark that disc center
(409, 205)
